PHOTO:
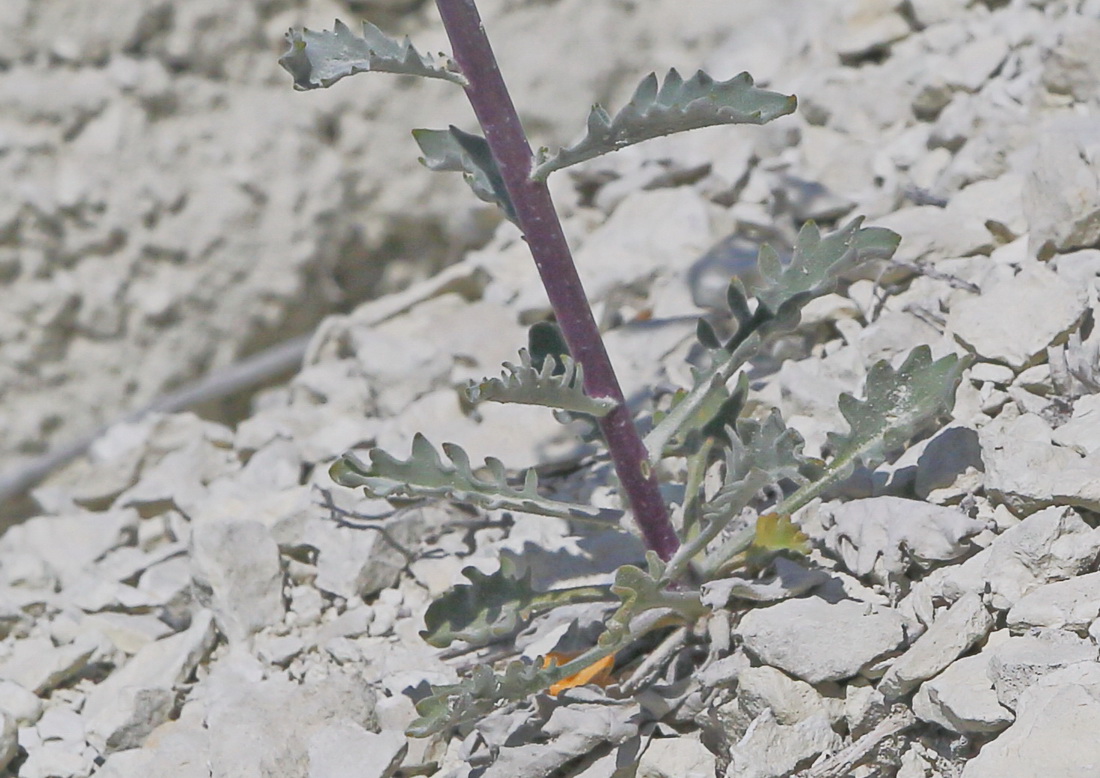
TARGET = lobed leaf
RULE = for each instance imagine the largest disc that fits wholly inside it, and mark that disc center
(817, 262)
(897, 405)
(781, 294)
(482, 692)
(462, 152)
(493, 606)
(425, 474)
(759, 453)
(675, 106)
(317, 60)
(549, 386)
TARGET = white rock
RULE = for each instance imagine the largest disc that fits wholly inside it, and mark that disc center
(68, 544)
(1070, 63)
(168, 586)
(1082, 431)
(40, 666)
(789, 699)
(344, 748)
(1061, 197)
(1026, 471)
(1050, 545)
(1054, 731)
(819, 641)
(61, 724)
(869, 25)
(1071, 605)
(21, 705)
(133, 761)
(133, 700)
(355, 562)
(770, 750)
(962, 699)
(883, 536)
(128, 632)
(54, 760)
(237, 573)
(931, 233)
(1054, 308)
(953, 632)
(1020, 661)
(9, 740)
(928, 12)
(946, 459)
(264, 726)
(676, 757)
(997, 203)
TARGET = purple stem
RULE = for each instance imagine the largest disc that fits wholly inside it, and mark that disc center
(538, 220)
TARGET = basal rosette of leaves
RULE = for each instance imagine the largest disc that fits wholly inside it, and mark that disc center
(706, 423)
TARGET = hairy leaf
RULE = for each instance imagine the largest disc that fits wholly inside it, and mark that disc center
(642, 590)
(675, 106)
(528, 384)
(781, 294)
(318, 60)
(493, 606)
(897, 405)
(480, 693)
(425, 474)
(817, 262)
(759, 453)
(461, 152)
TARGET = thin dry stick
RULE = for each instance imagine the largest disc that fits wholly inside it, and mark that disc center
(840, 764)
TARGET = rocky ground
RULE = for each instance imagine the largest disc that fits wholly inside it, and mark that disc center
(196, 598)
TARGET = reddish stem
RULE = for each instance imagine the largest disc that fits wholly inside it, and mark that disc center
(538, 220)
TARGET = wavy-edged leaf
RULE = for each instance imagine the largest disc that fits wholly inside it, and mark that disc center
(674, 106)
(318, 60)
(425, 474)
(479, 694)
(758, 453)
(642, 590)
(462, 152)
(783, 291)
(525, 383)
(493, 606)
(647, 605)
(817, 262)
(897, 405)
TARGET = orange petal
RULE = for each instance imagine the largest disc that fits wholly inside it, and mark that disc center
(599, 672)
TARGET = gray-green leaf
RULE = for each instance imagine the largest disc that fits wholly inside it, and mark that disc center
(677, 105)
(496, 605)
(524, 383)
(817, 262)
(318, 60)
(477, 695)
(897, 405)
(425, 474)
(462, 152)
(781, 294)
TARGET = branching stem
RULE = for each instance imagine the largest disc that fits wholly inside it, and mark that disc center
(539, 223)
